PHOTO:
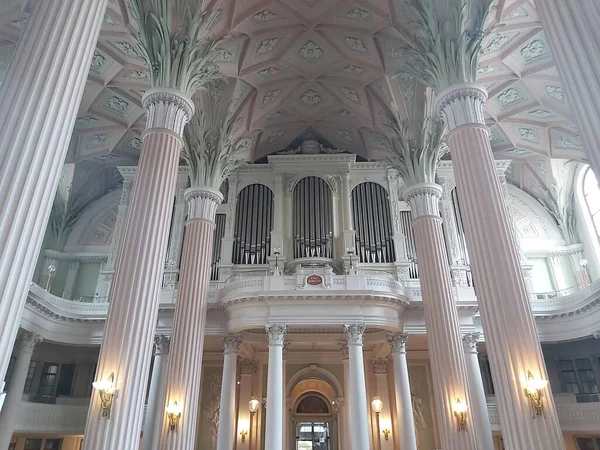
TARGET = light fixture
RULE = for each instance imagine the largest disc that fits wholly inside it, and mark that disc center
(534, 388)
(276, 252)
(253, 405)
(460, 412)
(350, 252)
(106, 390)
(244, 433)
(386, 433)
(377, 404)
(174, 414)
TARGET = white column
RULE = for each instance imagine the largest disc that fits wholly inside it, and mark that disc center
(226, 433)
(11, 410)
(284, 398)
(346, 426)
(508, 323)
(155, 411)
(571, 28)
(129, 331)
(406, 423)
(481, 418)
(71, 279)
(39, 99)
(359, 429)
(274, 419)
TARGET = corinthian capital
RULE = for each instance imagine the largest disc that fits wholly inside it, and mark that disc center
(398, 342)
(162, 344)
(354, 333)
(231, 343)
(29, 340)
(275, 333)
(470, 342)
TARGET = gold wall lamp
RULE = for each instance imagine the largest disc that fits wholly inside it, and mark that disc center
(244, 433)
(106, 390)
(460, 412)
(534, 391)
(386, 433)
(174, 415)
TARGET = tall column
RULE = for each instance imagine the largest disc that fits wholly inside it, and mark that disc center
(129, 332)
(274, 419)
(226, 433)
(185, 362)
(571, 28)
(39, 99)
(284, 429)
(510, 332)
(11, 409)
(156, 397)
(406, 423)
(481, 418)
(346, 442)
(441, 317)
(359, 426)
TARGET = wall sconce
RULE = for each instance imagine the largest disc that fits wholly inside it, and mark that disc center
(377, 404)
(534, 391)
(460, 412)
(386, 433)
(253, 405)
(106, 390)
(174, 414)
(244, 433)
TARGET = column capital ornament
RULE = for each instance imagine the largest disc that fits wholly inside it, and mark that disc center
(203, 202)
(461, 104)
(470, 342)
(162, 344)
(380, 366)
(275, 333)
(424, 199)
(231, 343)
(29, 340)
(248, 366)
(167, 108)
(354, 332)
(344, 350)
(398, 342)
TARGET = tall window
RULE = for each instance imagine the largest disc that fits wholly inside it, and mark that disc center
(591, 193)
(578, 378)
(48, 380)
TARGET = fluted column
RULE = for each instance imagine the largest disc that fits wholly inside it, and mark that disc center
(39, 99)
(508, 324)
(481, 418)
(226, 433)
(346, 438)
(406, 423)
(441, 317)
(359, 426)
(156, 397)
(571, 28)
(274, 419)
(129, 332)
(12, 403)
(185, 362)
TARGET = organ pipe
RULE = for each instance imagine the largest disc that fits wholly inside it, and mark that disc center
(463, 255)
(217, 241)
(372, 224)
(312, 227)
(253, 225)
(411, 251)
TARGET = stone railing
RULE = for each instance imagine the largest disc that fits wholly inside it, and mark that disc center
(572, 302)
(53, 418)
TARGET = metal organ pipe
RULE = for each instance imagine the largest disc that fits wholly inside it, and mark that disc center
(253, 225)
(312, 222)
(216, 250)
(372, 223)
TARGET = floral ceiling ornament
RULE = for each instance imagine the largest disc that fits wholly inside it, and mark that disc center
(310, 51)
(528, 134)
(180, 53)
(266, 45)
(127, 48)
(509, 96)
(444, 53)
(86, 120)
(98, 61)
(518, 13)
(117, 104)
(495, 44)
(98, 140)
(358, 14)
(555, 92)
(351, 94)
(484, 70)
(273, 70)
(533, 50)
(270, 96)
(264, 16)
(540, 113)
(310, 98)
(356, 44)
(275, 136)
(351, 68)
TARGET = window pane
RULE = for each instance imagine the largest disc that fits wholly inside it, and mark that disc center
(65, 380)
(33, 444)
(30, 375)
(52, 444)
(585, 444)
(48, 380)
(565, 364)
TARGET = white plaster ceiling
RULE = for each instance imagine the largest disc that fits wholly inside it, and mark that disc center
(325, 68)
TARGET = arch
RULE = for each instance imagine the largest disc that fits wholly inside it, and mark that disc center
(312, 403)
(532, 221)
(316, 379)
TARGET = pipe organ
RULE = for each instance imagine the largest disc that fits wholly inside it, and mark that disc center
(216, 249)
(253, 225)
(312, 227)
(411, 250)
(372, 224)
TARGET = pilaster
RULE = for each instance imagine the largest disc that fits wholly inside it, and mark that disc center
(359, 416)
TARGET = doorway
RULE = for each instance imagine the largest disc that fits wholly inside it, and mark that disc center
(312, 436)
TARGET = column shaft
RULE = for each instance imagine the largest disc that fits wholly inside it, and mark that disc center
(274, 418)
(13, 402)
(129, 332)
(347, 422)
(571, 28)
(226, 433)
(508, 323)
(155, 412)
(39, 99)
(185, 363)
(406, 423)
(359, 417)
(441, 317)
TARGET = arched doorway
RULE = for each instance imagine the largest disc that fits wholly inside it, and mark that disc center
(313, 422)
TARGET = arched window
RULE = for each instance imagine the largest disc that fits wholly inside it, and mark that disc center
(591, 193)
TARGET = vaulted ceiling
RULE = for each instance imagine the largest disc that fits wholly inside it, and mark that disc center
(323, 68)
